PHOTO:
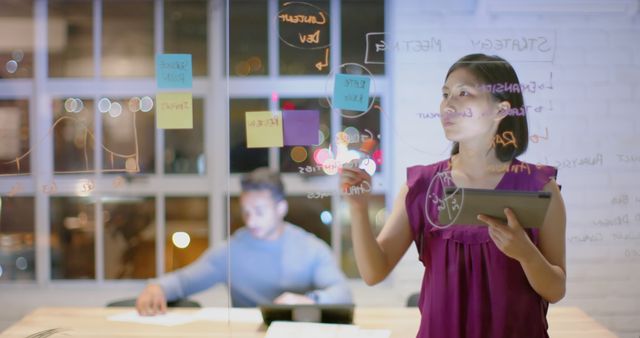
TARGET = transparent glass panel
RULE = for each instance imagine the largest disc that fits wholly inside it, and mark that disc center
(185, 31)
(245, 159)
(304, 37)
(362, 17)
(70, 38)
(377, 217)
(127, 38)
(17, 238)
(248, 37)
(15, 158)
(73, 135)
(129, 237)
(16, 39)
(184, 148)
(187, 230)
(72, 238)
(129, 134)
(298, 158)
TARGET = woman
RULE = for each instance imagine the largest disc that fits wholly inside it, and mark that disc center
(493, 281)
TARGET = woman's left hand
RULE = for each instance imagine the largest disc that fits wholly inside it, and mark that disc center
(510, 238)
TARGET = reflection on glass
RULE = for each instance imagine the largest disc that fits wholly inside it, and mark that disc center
(308, 214)
(17, 249)
(357, 132)
(127, 38)
(298, 158)
(128, 143)
(248, 37)
(72, 238)
(73, 135)
(184, 148)
(185, 31)
(16, 54)
(186, 230)
(361, 17)
(129, 237)
(244, 159)
(377, 217)
(304, 44)
(14, 137)
(70, 38)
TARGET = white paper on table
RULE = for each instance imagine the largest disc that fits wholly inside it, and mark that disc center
(167, 319)
(223, 314)
(365, 333)
(310, 330)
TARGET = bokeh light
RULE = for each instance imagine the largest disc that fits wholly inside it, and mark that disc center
(299, 154)
(116, 109)
(326, 217)
(146, 104)
(134, 104)
(181, 239)
(104, 105)
(11, 66)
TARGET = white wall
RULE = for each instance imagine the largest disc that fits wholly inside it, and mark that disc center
(595, 67)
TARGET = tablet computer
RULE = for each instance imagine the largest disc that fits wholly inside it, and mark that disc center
(318, 313)
(461, 206)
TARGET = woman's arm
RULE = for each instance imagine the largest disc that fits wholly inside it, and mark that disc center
(545, 267)
(376, 257)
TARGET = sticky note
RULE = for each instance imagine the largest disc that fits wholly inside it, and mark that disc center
(174, 111)
(173, 71)
(264, 129)
(351, 92)
(301, 127)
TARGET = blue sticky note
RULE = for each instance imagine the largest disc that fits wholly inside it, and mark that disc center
(173, 71)
(351, 92)
(301, 127)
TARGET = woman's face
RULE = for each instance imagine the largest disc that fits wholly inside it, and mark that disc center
(467, 111)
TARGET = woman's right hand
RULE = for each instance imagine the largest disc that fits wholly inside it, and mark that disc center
(151, 301)
(355, 184)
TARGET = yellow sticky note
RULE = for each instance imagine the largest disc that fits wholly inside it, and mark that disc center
(174, 111)
(264, 129)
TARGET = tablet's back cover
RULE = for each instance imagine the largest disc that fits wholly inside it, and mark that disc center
(461, 206)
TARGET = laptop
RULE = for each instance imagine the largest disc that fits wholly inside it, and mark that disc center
(317, 313)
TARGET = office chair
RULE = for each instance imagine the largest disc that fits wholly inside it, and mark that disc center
(131, 302)
(412, 301)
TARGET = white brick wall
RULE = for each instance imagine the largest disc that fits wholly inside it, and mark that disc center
(596, 109)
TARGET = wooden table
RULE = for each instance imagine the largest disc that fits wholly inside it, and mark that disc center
(564, 322)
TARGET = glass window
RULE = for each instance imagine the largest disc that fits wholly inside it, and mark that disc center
(186, 230)
(377, 217)
(304, 37)
(16, 39)
(248, 37)
(129, 237)
(297, 158)
(129, 135)
(70, 38)
(312, 215)
(185, 31)
(127, 38)
(184, 148)
(14, 137)
(72, 238)
(245, 159)
(365, 127)
(73, 140)
(362, 17)
(17, 249)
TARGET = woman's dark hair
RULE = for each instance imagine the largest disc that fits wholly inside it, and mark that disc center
(498, 77)
(263, 179)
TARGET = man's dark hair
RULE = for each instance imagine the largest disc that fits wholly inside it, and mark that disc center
(264, 179)
(494, 72)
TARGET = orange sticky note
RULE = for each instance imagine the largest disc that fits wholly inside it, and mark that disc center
(174, 110)
(264, 129)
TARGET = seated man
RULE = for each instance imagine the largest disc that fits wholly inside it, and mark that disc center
(272, 261)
